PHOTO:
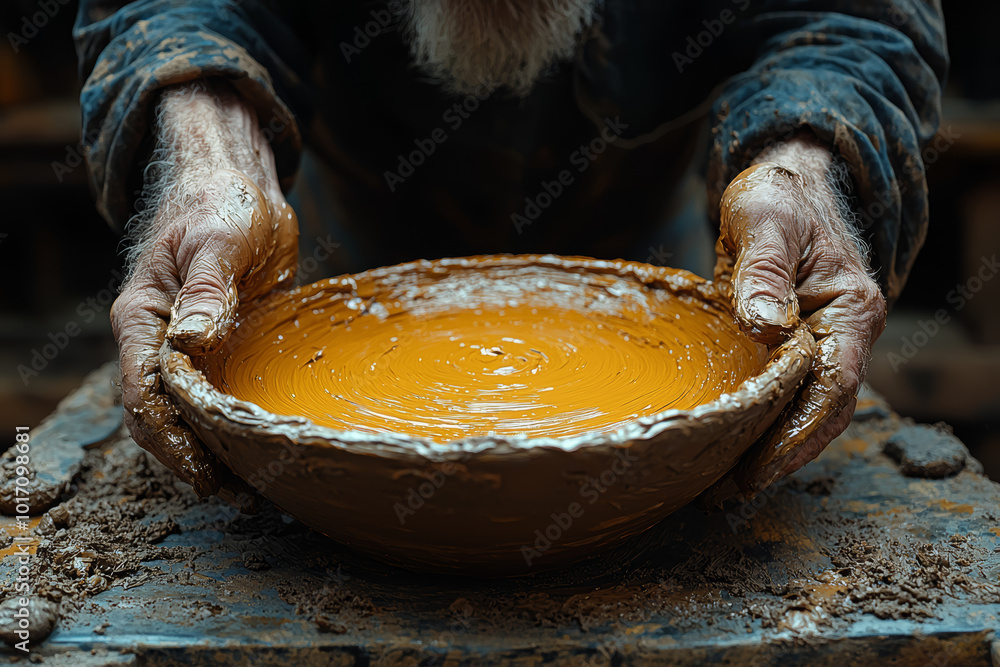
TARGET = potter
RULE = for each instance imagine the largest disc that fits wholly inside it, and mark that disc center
(181, 112)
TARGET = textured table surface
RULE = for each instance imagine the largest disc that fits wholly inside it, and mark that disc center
(850, 561)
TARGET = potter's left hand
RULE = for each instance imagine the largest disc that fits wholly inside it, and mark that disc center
(795, 256)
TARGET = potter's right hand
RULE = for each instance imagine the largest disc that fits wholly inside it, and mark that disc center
(790, 254)
(220, 231)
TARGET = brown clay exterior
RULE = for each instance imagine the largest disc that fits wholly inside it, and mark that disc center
(488, 504)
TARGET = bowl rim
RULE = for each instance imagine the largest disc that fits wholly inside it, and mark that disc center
(789, 358)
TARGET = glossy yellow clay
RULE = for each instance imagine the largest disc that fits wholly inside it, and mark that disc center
(484, 348)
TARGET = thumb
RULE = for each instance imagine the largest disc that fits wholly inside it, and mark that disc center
(764, 293)
(205, 307)
(230, 246)
(759, 227)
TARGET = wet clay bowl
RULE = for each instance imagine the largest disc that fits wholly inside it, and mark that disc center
(487, 415)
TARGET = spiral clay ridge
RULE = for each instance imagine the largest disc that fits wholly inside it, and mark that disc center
(482, 348)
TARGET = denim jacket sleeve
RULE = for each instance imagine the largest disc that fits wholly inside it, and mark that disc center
(129, 51)
(866, 77)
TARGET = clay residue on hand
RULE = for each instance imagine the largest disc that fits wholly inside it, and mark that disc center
(765, 318)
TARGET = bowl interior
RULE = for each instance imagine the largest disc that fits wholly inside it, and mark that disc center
(490, 346)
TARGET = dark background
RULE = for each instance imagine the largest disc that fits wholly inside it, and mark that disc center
(60, 263)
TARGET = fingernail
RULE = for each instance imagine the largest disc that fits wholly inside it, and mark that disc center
(769, 311)
(192, 327)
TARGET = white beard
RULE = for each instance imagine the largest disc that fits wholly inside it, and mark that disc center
(466, 43)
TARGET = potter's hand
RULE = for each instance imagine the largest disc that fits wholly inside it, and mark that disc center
(221, 231)
(796, 256)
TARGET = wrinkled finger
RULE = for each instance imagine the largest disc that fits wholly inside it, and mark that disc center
(138, 318)
(826, 434)
(222, 252)
(821, 396)
(846, 329)
(754, 227)
(205, 307)
(764, 287)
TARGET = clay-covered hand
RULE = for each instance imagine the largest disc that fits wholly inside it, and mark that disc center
(792, 255)
(220, 231)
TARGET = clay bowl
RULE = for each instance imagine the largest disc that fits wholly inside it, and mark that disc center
(500, 502)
